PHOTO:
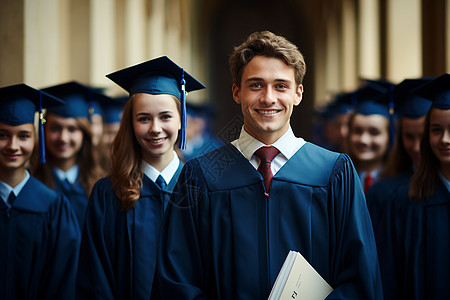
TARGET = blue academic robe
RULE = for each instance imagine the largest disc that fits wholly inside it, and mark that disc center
(414, 246)
(77, 196)
(381, 193)
(39, 245)
(223, 238)
(118, 249)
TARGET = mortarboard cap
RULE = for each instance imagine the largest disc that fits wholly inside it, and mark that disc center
(376, 98)
(159, 76)
(373, 99)
(18, 104)
(79, 99)
(437, 90)
(112, 112)
(411, 105)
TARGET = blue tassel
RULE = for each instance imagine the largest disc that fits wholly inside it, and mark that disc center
(182, 144)
(41, 132)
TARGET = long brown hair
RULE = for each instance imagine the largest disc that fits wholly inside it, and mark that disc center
(398, 162)
(126, 173)
(424, 179)
(90, 170)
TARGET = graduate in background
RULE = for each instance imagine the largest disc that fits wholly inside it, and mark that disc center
(39, 234)
(118, 250)
(370, 132)
(405, 155)
(415, 233)
(334, 123)
(73, 165)
(199, 136)
(228, 228)
(112, 117)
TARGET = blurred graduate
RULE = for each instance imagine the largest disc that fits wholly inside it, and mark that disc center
(405, 155)
(118, 252)
(72, 161)
(39, 231)
(371, 131)
(414, 234)
(199, 134)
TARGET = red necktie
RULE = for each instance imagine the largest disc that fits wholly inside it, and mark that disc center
(266, 155)
(367, 182)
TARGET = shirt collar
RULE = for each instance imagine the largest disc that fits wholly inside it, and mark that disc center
(248, 144)
(71, 175)
(6, 189)
(167, 173)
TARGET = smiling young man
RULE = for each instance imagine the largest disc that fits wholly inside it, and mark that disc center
(229, 229)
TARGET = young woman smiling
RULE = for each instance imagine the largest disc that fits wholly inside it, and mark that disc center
(126, 209)
(39, 231)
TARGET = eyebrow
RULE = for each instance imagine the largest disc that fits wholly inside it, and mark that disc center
(256, 79)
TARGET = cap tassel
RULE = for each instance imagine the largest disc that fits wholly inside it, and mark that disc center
(182, 144)
(41, 132)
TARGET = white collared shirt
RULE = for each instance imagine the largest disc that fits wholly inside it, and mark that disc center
(167, 173)
(6, 189)
(71, 175)
(288, 145)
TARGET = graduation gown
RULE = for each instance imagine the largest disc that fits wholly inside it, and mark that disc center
(118, 249)
(223, 238)
(381, 194)
(39, 245)
(415, 245)
(77, 196)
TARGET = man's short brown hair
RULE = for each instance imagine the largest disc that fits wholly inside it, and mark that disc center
(268, 44)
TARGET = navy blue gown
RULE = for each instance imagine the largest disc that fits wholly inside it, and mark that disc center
(380, 195)
(77, 196)
(414, 246)
(222, 238)
(39, 245)
(118, 249)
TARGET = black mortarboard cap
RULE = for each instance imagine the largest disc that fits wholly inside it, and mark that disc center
(437, 90)
(411, 105)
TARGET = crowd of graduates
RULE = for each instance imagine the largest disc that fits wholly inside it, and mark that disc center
(398, 136)
(84, 195)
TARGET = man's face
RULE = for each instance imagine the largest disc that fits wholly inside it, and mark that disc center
(267, 96)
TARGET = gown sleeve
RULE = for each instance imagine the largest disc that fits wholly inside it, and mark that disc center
(355, 267)
(96, 271)
(59, 277)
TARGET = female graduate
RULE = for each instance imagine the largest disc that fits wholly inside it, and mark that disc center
(73, 166)
(39, 234)
(370, 132)
(405, 155)
(415, 237)
(118, 252)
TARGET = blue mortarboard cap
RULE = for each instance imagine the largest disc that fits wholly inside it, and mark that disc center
(159, 76)
(437, 90)
(376, 97)
(411, 105)
(112, 112)
(80, 99)
(372, 99)
(18, 104)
